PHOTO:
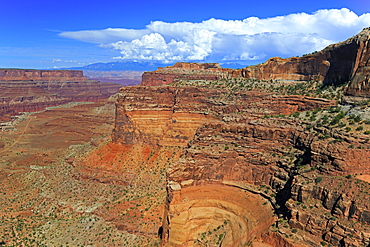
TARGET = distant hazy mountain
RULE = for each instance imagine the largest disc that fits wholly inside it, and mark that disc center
(123, 65)
(138, 66)
(233, 65)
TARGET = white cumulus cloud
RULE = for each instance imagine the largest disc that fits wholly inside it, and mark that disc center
(215, 40)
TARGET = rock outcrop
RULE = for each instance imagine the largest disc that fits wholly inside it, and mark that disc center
(187, 71)
(239, 161)
(339, 63)
(240, 151)
(231, 155)
(359, 85)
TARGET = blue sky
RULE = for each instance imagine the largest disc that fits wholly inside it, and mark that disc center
(67, 33)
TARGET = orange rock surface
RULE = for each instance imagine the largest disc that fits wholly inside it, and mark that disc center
(226, 214)
(223, 155)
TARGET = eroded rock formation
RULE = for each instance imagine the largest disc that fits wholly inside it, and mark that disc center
(228, 150)
(234, 159)
(347, 61)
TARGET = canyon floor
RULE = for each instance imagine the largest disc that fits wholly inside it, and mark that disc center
(47, 201)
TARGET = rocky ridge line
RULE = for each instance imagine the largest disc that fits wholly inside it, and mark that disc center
(347, 61)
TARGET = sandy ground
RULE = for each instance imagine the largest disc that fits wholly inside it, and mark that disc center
(365, 178)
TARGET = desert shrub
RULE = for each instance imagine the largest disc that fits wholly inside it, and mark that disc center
(357, 118)
(334, 109)
(341, 125)
(317, 110)
(337, 118)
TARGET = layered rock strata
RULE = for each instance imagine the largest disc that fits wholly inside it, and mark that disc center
(298, 167)
(234, 161)
(347, 61)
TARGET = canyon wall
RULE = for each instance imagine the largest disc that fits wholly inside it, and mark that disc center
(333, 65)
(241, 151)
(344, 62)
(360, 85)
(237, 169)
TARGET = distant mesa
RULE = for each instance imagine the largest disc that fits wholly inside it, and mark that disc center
(26, 90)
(40, 75)
(187, 71)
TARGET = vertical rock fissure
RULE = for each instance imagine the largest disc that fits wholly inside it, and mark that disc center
(282, 196)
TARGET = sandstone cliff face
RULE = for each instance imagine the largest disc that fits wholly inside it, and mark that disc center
(304, 169)
(359, 85)
(343, 62)
(333, 65)
(347, 61)
(231, 155)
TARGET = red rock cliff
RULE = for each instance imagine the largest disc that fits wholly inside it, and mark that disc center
(229, 156)
(343, 62)
(360, 76)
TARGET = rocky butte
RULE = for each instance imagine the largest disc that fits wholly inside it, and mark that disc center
(268, 156)
(187, 71)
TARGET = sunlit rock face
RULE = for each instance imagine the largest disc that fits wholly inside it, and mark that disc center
(244, 172)
(214, 190)
(219, 214)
